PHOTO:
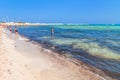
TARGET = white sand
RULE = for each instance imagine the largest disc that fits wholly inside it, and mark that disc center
(27, 61)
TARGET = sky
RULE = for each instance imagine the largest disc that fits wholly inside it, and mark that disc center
(61, 11)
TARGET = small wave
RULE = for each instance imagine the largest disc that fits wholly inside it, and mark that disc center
(23, 38)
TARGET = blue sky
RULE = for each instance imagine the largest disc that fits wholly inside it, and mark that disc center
(62, 11)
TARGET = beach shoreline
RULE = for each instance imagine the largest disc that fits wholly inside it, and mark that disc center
(43, 62)
(104, 74)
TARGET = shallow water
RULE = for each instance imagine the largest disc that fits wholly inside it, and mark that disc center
(98, 45)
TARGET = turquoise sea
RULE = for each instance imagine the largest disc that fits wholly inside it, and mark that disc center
(95, 44)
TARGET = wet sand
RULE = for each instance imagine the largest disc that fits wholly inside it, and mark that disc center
(23, 60)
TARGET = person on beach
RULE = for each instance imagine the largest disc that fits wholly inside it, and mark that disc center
(0, 35)
(16, 31)
(10, 29)
(52, 32)
(16, 34)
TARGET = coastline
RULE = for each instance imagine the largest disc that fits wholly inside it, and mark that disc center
(40, 62)
(27, 24)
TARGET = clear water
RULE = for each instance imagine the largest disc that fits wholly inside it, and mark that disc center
(98, 45)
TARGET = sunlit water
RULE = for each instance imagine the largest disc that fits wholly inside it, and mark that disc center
(98, 45)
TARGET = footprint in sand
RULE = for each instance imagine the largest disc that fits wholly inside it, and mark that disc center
(9, 71)
(5, 59)
(26, 66)
(10, 64)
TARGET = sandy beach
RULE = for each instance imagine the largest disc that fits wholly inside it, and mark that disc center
(23, 60)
